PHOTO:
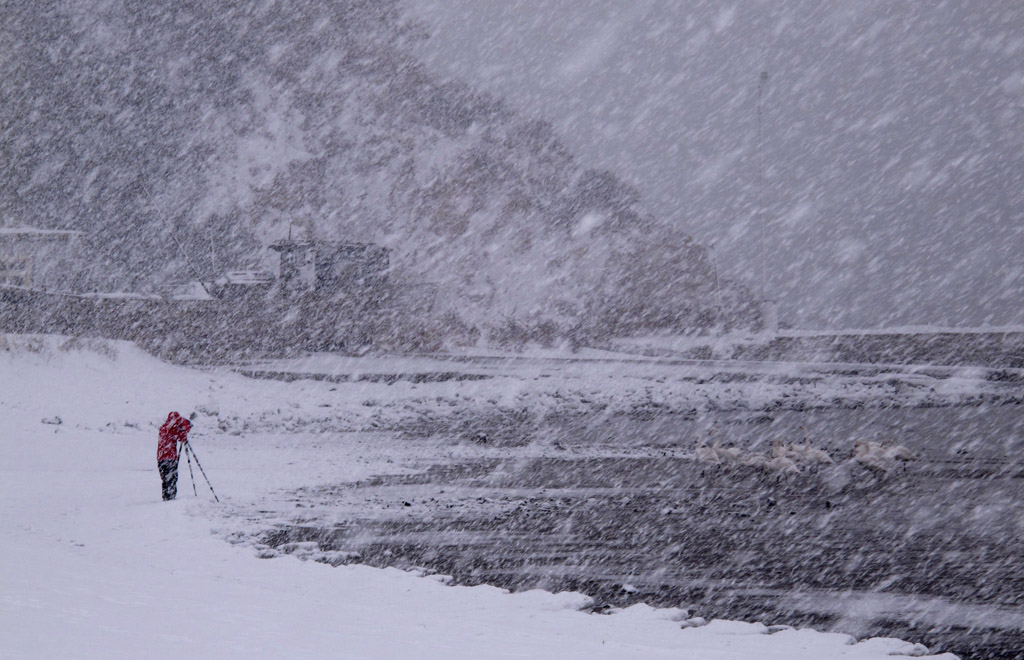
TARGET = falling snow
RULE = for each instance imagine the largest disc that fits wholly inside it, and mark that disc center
(696, 326)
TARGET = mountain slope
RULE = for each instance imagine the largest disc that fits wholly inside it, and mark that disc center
(223, 128)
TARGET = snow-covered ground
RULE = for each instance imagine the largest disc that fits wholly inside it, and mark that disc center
(96, 566)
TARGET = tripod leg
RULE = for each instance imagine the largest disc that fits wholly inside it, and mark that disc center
(191, 476)
(203, 472)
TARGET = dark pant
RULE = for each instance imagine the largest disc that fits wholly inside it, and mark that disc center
(169, 477)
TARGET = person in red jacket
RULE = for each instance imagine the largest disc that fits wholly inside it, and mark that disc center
(173, 431)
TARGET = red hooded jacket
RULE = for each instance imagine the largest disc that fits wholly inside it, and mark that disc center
(174, 430)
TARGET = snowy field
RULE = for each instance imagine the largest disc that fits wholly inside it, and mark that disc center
(96, 566)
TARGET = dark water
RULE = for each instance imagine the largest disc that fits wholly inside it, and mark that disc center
(931, 551)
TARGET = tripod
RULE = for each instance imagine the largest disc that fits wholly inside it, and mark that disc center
(186, 448)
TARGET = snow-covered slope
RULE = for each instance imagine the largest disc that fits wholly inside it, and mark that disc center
(319, 120)
(96, 566)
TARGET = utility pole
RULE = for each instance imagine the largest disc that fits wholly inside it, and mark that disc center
(718, 289)
(760, 189)
(181, 248)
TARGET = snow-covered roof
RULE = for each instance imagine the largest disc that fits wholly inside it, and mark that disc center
(187, 291)
(246, 277)
(35, 232)
(902, 330)
(119, 295)
(287, 245)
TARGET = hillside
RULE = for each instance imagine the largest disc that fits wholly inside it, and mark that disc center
(223, 128)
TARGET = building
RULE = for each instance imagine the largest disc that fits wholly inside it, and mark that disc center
(243, 285)
(35, 258)
(328, 267)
